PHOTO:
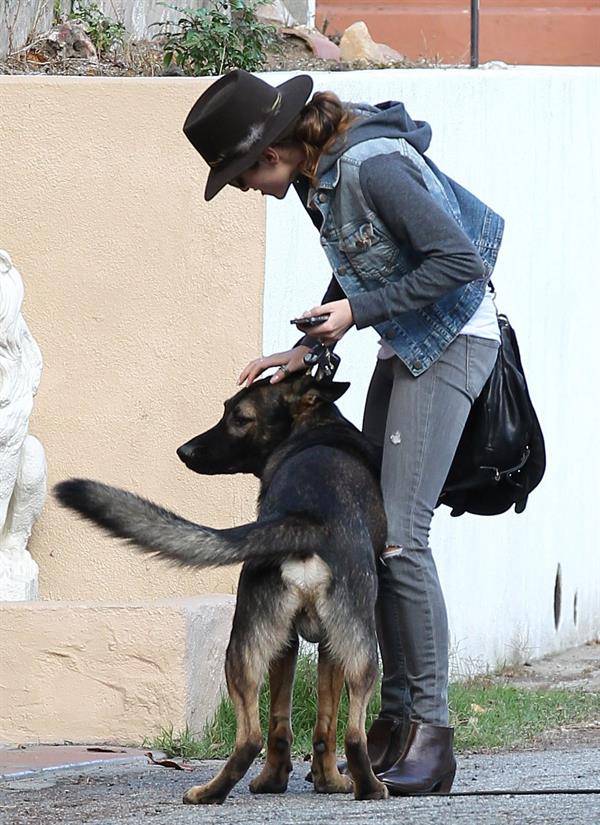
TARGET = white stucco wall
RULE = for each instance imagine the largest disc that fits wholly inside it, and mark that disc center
(525, 141)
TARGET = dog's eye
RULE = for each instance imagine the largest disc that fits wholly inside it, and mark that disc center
(240, 419)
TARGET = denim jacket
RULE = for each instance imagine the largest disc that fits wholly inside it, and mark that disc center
(365, 256)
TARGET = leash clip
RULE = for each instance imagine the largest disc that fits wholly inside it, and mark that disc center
(325, 360)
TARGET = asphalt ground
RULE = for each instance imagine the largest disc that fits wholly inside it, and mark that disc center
(135, 791)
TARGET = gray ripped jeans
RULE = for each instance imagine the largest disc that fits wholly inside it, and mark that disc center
(419, 421)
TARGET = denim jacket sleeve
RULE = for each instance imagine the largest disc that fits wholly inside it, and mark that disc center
(394, 189)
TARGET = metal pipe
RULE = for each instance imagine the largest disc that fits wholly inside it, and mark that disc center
(474, 34)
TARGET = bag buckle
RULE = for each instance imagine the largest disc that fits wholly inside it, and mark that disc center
(498, 474)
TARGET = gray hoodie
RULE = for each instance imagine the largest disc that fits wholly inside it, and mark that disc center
(395, 190)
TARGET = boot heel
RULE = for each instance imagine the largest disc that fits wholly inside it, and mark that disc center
(445, 783)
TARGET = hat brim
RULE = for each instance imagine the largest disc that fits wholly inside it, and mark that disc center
(294, 94)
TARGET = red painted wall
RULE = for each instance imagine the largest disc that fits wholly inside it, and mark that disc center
(546, 32)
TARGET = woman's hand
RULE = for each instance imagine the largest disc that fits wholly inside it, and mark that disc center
(336, 326)
(292, 360)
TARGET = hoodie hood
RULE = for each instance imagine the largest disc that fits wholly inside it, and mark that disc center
(384, 120)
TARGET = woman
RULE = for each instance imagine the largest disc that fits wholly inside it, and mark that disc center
(412, 253)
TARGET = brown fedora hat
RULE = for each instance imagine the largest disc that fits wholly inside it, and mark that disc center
(239, 116)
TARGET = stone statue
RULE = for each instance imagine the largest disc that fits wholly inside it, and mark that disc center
(22, 462)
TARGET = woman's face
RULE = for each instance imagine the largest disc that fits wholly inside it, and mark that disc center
(273, 173)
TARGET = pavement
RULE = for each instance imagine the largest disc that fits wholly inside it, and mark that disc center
(120, 786)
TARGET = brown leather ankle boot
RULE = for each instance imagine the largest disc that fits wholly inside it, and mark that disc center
(385, 742)
(427, 764)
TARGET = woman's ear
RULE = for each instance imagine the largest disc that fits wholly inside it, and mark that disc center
(270, 156)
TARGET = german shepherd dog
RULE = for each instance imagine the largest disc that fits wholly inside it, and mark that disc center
(308, 569)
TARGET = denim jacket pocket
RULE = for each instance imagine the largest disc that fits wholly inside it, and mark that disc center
(368, 251)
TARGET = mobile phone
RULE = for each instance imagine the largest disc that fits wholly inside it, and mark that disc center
(314, 321)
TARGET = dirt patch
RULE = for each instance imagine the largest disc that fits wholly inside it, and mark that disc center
(577, 668)
(145, 59)
(566, 738)
(134, 60)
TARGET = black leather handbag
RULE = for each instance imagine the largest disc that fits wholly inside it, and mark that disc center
(501, 456)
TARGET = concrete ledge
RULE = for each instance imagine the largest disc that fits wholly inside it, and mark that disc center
(110, 673)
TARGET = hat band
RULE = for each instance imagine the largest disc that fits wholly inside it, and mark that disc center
(252, 138)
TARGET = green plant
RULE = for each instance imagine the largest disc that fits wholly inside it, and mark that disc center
(212, 40)
(183, 744)
(104, 32)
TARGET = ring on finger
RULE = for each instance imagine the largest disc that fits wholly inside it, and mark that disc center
(284, 369)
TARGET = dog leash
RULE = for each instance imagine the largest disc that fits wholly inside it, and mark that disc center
(540, 792)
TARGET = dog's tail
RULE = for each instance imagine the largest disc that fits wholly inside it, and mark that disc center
(166, 534)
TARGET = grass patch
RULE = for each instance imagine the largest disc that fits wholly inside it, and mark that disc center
(485, 716)
(183, 744)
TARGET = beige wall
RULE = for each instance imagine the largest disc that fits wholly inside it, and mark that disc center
(145, 302)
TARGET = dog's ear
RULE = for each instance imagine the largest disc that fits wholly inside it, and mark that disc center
(332, 390)
(324, 391)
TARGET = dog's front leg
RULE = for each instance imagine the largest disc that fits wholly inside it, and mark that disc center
(243, 683)
(274, 776)
(325, 774)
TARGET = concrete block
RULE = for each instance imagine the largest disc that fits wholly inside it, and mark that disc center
(110, 673)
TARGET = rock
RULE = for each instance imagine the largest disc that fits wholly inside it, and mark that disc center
(319, 45)
(357, 46)
(72, 41)
(390, 55)
(173, 70)
(494, 64)
(275, 12)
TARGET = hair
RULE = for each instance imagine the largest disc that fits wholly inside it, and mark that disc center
(320, 124)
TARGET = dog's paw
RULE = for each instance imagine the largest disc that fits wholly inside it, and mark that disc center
(334, 784)
(268, 784)
(204, 795)
(375, 791)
